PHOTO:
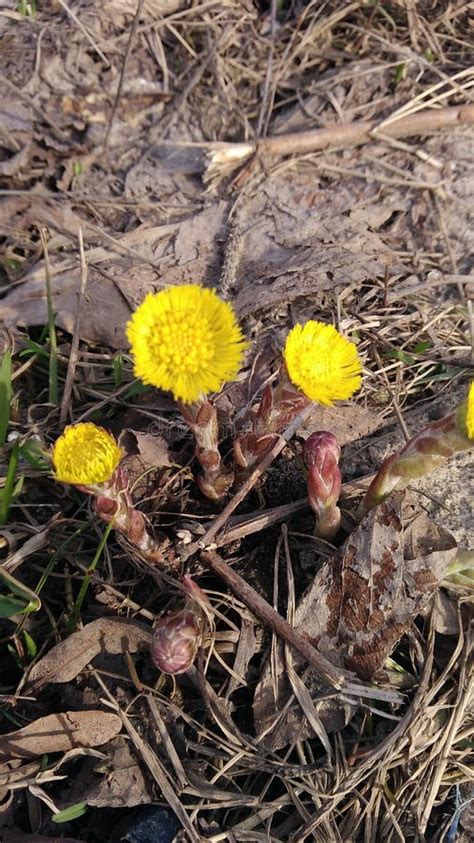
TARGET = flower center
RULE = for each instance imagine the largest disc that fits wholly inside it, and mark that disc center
(183, 341)
(317, 364)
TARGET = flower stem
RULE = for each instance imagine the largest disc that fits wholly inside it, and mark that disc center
(201, 418)
(422, 454)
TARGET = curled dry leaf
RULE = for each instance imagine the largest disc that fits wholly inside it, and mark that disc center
(357, 608)
(146, 455)
(151, 450)
(105, 635)
(60, 733)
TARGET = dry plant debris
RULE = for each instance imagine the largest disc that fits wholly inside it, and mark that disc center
(149, 144)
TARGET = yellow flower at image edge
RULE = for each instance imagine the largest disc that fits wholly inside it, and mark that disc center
(322, 363)
(470, 412)
(185, 340)
(85, 454)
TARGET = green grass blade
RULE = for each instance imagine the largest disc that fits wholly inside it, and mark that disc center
(71, 813)
(76, 611)
(8, 489)
(6, 393)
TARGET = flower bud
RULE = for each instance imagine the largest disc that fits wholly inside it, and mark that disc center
(423, 453)
(321, 455)
(176, 640)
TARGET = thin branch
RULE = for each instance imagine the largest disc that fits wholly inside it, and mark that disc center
(239, 496)
(336, 136)
(133, 29)
(259, 606)
(71, 368)
(84, 31)
(335, 677)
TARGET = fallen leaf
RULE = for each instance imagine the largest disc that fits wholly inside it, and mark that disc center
(16, 163)
(59, 733)
(446, 618)
(299, 239)
(150, 450)
(360, 603)
(348, 422)
(105, 635)
(152, 8)
(293, 246)
(114, 782)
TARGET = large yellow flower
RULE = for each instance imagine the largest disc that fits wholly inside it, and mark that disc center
(185, 340)
(322, 363)
(85, 455)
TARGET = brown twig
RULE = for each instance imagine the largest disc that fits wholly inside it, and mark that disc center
(259, 606)
(84, 31)
(354, 134)
(335, 677)
(133, 29)
(71, 368)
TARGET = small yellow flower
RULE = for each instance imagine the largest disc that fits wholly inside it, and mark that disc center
(85, 455)
(322, 363)
(185, 340)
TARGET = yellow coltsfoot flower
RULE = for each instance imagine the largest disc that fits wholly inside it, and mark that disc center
(322, 363)
(186, 340)
(85, 455)
(470, 412)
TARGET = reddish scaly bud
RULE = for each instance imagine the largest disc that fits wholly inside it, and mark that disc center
(176, 641)
(321, 455)
(178, 636)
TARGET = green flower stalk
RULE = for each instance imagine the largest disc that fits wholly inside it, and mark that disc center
(321, 455)
(423, 453)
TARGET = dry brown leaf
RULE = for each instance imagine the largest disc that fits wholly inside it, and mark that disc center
(358, 606)
(115, 782)
(445, 615)
(348, 422)
(151, 451)
(300, 240)
(153, 8)
(122, 269)
(59, 733)
(296, 242)
(146, 454)
(105, 635)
